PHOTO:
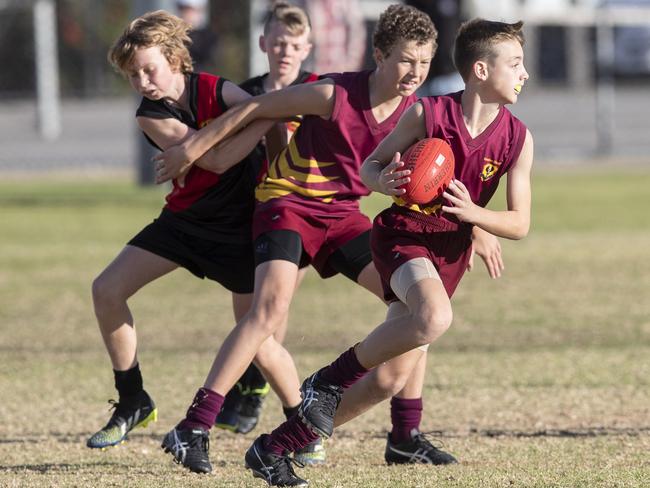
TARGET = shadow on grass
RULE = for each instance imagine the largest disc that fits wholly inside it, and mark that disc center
(597, 431)
(65, 438)
(584, 432)
(61, 467)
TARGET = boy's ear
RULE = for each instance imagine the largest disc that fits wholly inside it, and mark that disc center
(480, 69)
(262, 43)
(378, 55)
(174, 64)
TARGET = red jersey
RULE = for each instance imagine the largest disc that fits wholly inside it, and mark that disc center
(198, 180)
(480, 161)
(211, 206)
(320, 166)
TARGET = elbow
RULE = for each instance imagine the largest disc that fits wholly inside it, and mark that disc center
(520, 231)
(220, 167)
(519, 236)
(365, 180)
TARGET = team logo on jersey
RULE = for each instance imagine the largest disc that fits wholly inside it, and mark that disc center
(490, 168)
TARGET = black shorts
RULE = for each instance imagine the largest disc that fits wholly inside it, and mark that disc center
(349, 259)
(231, 265)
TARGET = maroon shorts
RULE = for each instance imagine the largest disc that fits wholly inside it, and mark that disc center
(322, 232)
(400, 235)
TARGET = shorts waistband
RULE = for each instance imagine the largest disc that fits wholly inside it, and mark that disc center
(436, 223)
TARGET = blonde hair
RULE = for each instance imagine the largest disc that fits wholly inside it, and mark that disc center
(159, 28)
(476, 40)
(293, 18)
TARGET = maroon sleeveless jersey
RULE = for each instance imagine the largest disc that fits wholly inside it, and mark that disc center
(480, 161)
(320, 166)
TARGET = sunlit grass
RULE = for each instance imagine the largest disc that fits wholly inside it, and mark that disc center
(541, 381)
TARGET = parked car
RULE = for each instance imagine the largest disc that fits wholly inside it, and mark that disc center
(631, 43)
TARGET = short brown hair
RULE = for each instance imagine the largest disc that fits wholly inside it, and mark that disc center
(293, 18)
(403, 22)
(159, 28)
(476, 40)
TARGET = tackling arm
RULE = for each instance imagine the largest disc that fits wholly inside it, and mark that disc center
(306, 99)
(169, 132)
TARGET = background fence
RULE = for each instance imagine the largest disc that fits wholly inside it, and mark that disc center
(588, 95)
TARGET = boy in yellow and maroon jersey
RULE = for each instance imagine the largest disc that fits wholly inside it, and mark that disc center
(308, 210)
(286, 43)
(422, 251)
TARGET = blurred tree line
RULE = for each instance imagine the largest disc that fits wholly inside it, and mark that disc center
(87, 28)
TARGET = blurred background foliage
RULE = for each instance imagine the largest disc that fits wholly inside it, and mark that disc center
(86, 29)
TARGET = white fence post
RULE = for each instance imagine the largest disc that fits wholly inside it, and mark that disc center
(47, 70)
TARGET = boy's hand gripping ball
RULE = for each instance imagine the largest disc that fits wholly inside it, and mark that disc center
(431, 162)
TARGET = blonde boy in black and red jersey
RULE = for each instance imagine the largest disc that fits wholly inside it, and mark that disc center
(286, 43)
(205, 224)
(422, 252)
(308, 205)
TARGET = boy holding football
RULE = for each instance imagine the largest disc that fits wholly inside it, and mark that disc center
(422, 251)
(308, 204)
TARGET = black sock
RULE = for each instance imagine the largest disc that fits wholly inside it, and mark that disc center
(128, 383)
(290, 411)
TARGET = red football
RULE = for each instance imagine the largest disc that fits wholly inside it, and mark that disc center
(431, 162)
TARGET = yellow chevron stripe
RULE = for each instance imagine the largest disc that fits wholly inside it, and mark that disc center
(417, 208)
(285, 170)
(275, 188)
(301, 162)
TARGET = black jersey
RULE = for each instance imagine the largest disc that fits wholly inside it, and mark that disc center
(255, 86)
(211, 206)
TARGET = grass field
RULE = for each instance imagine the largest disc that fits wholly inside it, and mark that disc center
(543, 379)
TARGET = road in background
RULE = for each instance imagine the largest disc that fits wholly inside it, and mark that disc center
(101, 134)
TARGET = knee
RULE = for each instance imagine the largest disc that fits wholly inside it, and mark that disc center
(431, 322)
(387, 385)
(269, 314)
(103, 293)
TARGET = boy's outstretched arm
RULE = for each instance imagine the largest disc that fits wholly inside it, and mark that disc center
(168, 132)
(381, 172)
(305, 99)
(513, 223)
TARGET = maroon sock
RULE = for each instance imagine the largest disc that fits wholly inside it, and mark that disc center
(345, 371)
(289, 437)
(203, 411)
(405, 414)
